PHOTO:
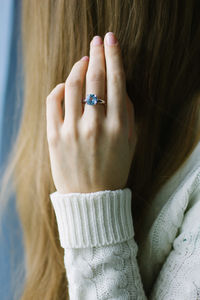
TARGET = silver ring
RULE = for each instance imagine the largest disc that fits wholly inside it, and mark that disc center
(92, 99)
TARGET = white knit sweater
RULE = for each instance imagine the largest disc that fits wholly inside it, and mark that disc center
(102, 259)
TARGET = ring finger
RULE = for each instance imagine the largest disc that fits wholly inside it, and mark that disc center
(95, 79)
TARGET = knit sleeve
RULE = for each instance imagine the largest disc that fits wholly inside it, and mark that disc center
(179, 277)
(97, 234)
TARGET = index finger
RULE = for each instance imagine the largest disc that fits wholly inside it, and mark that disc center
(116, 82)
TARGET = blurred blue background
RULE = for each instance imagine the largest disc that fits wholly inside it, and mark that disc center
(11, 84)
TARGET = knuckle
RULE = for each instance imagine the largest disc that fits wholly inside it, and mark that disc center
(92, 129)
(95, 76)
(95, 122)
(117, 76)
(88, 132)
(70, 133)
(73, 82)
(53, 137)
(116, 127)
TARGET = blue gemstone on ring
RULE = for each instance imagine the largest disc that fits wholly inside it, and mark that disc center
(91, 99)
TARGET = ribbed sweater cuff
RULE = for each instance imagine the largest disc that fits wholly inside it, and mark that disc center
(93, 219)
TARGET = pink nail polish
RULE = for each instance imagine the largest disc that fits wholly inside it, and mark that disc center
(110, 38)
(85, 58)
(97, 40)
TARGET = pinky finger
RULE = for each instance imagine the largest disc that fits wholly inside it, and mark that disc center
(54, 114)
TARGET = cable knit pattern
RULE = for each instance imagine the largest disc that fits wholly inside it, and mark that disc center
(103, 272)
(102, 258)
(180, 276)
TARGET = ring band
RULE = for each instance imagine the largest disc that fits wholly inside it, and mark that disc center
(92, 99)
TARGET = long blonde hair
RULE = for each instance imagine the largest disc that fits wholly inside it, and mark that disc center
(161, 52)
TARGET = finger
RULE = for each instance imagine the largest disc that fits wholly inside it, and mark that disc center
(95, 78)
(74, 90)
(116, 83)
(54, 108)
(131, 121)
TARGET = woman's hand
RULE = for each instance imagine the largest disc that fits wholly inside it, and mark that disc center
(92, 148)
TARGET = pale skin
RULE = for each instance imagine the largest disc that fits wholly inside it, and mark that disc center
(91, 148)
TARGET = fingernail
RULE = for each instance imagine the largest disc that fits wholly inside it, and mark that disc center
(110, 38)
(96, 40)
(85, 58)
